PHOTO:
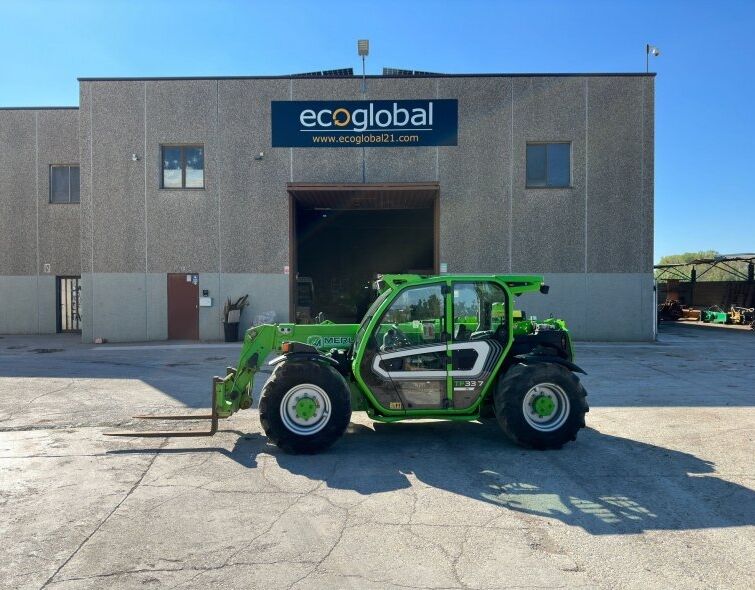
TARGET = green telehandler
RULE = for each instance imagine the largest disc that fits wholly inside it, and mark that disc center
(441, 347)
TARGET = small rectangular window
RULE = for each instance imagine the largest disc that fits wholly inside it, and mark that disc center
(537, 168)
(183, 166)
(64, 184)
(548, 165)
(75, 184)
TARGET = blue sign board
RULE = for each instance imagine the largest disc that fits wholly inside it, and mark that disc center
(364, 123)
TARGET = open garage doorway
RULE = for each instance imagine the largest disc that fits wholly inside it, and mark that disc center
(342, 236)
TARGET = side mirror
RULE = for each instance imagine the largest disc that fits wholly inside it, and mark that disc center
(544, 289)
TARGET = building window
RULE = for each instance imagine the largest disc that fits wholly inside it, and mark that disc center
(64, 184)
(548, 165)
(183, 166)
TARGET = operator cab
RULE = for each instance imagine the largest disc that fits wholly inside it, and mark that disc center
(432, 332)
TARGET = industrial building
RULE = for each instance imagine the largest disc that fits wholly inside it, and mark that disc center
(136, 215)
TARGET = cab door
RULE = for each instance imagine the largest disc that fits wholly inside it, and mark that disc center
(406, 360)
(479, 336)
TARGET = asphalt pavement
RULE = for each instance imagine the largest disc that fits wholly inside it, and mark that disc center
(657, 492)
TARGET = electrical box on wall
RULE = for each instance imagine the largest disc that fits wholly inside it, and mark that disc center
(205, 302)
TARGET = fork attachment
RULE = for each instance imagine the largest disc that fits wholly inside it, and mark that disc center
(234, 391)
(213, 417)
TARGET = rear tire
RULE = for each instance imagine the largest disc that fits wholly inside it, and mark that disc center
(541, 405)
(305, 406)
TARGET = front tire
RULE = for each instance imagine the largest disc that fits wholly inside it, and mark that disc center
(305, 406)
(541, 405)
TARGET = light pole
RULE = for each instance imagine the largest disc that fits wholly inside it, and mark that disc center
(363, 49)
(650, 50)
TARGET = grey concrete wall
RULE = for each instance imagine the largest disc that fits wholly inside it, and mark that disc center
(253, 202)
(547, 225)
(35, 233)
(597, 306)
(18, 192)
(234, 232)
(474, 177)
(239, 224)
(115, 306)
(27, 304)
(132, 307)
(268, 298)
(59, 241)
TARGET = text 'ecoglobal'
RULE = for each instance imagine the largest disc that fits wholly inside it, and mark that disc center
(369, 118)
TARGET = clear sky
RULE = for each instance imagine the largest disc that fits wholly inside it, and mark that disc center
(704, 194)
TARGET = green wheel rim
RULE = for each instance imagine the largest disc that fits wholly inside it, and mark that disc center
(546, 407)
(305, 409)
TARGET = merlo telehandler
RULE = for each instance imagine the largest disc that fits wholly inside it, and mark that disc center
(441, 347)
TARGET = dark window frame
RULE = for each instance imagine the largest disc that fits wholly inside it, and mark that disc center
(49, 176)
(182, 147)
(570, 184)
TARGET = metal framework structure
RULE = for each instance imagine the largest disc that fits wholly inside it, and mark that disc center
(687, 271)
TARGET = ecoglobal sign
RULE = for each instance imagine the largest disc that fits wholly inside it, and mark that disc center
(364, 123)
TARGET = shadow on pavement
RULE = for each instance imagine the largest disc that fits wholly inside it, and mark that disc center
(602, 484)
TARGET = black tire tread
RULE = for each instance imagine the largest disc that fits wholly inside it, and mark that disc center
(510, 391)
(284, 377)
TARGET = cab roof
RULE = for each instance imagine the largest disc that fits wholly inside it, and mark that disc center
(517, 284)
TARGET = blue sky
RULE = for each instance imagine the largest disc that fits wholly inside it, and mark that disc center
(704, 195)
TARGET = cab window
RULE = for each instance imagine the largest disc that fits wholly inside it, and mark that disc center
(479, 310)
(414, 318)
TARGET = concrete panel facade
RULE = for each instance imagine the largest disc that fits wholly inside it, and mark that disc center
(18, 192)
(594, 236)
(597, 306)
(616, 217)
(474, 177)
(59, 241)
(38, 239)
(132, 307)
(547, 224)
(115, 306)
(179, 112)
(27, 304)
(265, 300)
(156, 305)
(253, 202)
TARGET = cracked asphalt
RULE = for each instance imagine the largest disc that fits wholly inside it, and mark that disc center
(658, 492)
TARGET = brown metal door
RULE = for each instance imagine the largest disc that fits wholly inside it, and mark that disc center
(183, 306)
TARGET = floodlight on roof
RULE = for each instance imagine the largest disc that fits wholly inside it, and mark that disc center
(650, 50)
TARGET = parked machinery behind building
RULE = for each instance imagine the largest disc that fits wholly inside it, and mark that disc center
(742, 315)
(738, 316)
(670, 311)
(714, 315)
